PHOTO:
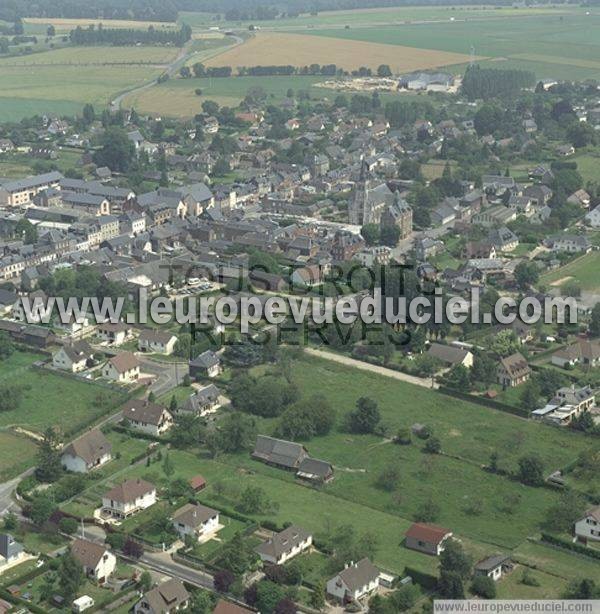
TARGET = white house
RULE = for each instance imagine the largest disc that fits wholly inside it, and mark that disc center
(73, 357)
(128, 498)
(156, 341)
(492, 566)
(588, 527)
(83, 603)
(114, 333)
(147, 417)
(355, 582)
(284, 546)
(123, 368)
(86, 453)
(97, 562)
(195, 520)
(593, 217)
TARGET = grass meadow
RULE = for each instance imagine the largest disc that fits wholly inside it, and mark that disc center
(582, 271)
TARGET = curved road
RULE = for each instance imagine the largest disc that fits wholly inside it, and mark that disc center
(182, 57)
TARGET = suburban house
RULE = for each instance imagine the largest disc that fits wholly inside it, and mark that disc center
(451, 355)
(588, 527)
(122, 368)
(147, 417)
(427, 538)
(226, 607)
(493, 566)
(278, 452)
(355, 582)
(202, 402)
(195, 520)
(128, 498)
(207, 364)
(10, 551)
(284, 545)
(97, 562)
(315, 470)
(583, 351)
(307, 276)
(170, 596)
(513, 370)
(74, 357)
(91, 450)
(114, 333)
(156, 341)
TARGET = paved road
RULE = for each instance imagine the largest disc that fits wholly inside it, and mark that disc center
(365, 366)
(182, 57)
(6, 491)
(169, 374)
(161, 561)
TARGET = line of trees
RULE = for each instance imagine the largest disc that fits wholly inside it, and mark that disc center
(122, 36)
(489, 83)
(325, 70)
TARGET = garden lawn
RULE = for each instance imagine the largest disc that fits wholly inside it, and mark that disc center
(17, 453)
(61, 401)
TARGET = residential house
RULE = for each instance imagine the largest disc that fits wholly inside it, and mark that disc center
(580, 198)
(202, 402)
(356, 581)
(284, 545)
(568, 404)
(168, 597)
(278, 452)
(74, 357)
(582, 351)
(308, 276)
(571, 243)
(156, 341)
(503, 239)
(147, 417)
(587, 528)
(513, 370)
(427, 538)
(11, 551)
(123, 368)
(91, 450)
(97, 561)
(128, 498)
(18, 192)
(226, 607)
(207, 364)
(196, 520)
(114, 333)
(493, 566)
(593, 217)
(450, 355)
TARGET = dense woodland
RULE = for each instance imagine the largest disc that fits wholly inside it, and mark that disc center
(490, 83)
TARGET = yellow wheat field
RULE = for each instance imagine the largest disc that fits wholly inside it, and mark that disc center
(274, 48)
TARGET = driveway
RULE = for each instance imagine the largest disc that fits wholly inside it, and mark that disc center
(365, 366)
(168, 374)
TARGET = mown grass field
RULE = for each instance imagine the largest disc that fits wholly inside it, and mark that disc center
(301, 50)
(49, 399)
(582, 271)
(16, 454)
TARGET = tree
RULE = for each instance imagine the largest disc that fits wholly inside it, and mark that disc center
(70, 576)
(484, 586)
(68, 525)
(403, 436)
(428, 511)
(185, 72)
(432, 446)
(268, 596)
(201, 602)
(595, 321)
(210, 107)
(454, 559)
(145, 582)
(390, 235)
(384, 70)
(526, 274)
(531, 470)
(50, 31)
(223, 580)
(582, 589)
(388, 479)
(88, 114)
(483, 370)
(167, 466)
(530, 396)
(253, 500)
(458, 378)
(561, 516)
(116, 150)
(7, 347)
(370, 233)
(10, 521)
(49, 465)
(307, 418)
(27, 231)
(133, 549)
(365, 417)
(504, 343)
(317, 597)
(451, 585)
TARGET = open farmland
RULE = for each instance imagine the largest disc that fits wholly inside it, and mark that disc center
(39, 24)
(299, 50)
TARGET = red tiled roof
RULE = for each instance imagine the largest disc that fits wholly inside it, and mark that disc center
(429, 533)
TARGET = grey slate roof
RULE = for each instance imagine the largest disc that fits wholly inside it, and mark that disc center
(279, 452)
(283, 542)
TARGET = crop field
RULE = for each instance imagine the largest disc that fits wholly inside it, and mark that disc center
(177, 97)
(96, 56)
(64, 90)
(513, 39)
(582, 271)
(301, 50)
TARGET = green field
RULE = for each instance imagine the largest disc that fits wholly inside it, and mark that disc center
(515, 39)
(16, 454)
(582, 271)
(177, 97)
